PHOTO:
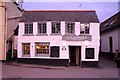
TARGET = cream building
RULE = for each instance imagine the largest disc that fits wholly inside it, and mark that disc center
(10, 13)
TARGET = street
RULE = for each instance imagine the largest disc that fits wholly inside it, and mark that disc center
(106, 69)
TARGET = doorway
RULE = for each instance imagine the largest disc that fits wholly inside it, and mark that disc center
(110, 44)
(75, 55)
(9, 52)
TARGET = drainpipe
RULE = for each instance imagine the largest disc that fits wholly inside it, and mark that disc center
(5, 29)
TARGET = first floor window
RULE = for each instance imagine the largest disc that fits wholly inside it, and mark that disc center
(70, 28)
(89, 53)
(84, 28)
(56, 27)
(26, 48)
(28, 28)
(42, 48)
(42, 28)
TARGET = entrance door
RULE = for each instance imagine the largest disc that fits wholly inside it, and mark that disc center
(75, 55)
(9, 52)
(111, 44)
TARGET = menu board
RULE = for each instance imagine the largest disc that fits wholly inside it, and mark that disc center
(54, 51)
(89, 53)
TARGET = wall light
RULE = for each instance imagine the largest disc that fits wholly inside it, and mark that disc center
(63, 48)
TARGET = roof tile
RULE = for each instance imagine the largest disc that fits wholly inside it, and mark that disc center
(83, 16)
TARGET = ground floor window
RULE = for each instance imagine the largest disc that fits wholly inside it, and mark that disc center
(54, 50)
(42, 47)
(26, 48)
(89, 53)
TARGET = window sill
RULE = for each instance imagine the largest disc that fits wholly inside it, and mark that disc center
(25, 55)
(84, 34)
(28, 35)
(54, 34)
(42, 55)
(67, 34)
(42, 34)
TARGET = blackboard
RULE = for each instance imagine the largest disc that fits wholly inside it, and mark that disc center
(54, 51)
(89, 53)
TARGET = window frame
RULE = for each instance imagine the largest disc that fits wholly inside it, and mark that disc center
(57, 29)
(67, 30)
(25, 55)
(42, 28)
(29, 28)
(42, 54)
(86, 29)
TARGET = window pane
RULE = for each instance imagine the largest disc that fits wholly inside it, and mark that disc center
(26, 48)
(55, 27)
(87, 30)
(28, 28)
(42, 48)
(70, 27)
(41, 27)
(84, 28)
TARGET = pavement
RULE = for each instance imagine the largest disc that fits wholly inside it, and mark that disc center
(106, 69)
(14, 63)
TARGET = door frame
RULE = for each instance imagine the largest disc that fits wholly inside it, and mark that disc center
(79, 54)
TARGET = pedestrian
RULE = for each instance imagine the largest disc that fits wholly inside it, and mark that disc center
(117, 57)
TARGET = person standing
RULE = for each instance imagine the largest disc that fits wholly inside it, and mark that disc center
(117, 57)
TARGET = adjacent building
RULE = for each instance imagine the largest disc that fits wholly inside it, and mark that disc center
(110, 34)
(10, 13)
(2, 30)
(59, 37)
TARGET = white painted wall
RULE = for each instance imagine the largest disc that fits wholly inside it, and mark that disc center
(49, 28)
(94, 31)
(77, 28)
(63, 27)
(105, 40)
(35, 28)
(21, 29)
(56, 40)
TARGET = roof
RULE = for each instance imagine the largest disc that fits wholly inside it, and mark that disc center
(110, 23)
(84, 16)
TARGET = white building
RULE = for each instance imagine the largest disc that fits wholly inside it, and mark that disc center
(110, 35)
(59, 37)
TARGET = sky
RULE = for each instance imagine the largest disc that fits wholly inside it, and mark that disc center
(104, 9)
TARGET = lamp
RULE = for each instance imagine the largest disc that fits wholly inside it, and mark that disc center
(63, 48)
